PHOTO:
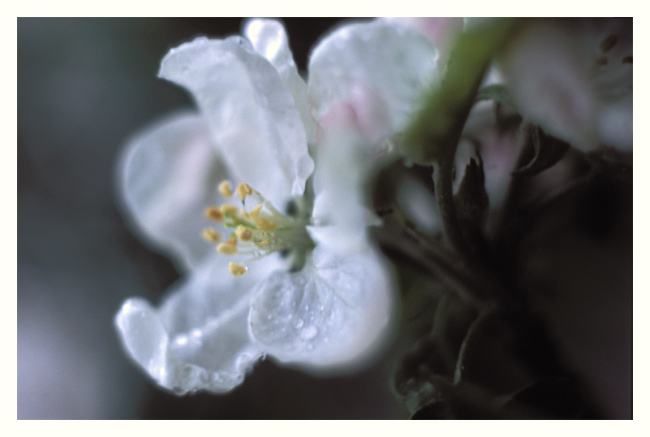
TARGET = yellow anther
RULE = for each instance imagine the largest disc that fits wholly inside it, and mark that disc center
(214, 214)
(232, 240)
(244, 233)
(264, 224)
(236, 270)
(224, 189)
(227, 248)
(244, 190)
(211, 235)
(229, 209)
(255, 212)
(243, 213)
(262, 244)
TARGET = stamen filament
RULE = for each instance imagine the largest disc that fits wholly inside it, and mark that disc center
(256, 233)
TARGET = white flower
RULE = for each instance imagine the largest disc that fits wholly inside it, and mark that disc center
(320, 295)
(574, 79)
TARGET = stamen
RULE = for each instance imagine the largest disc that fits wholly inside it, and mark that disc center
(244, 190)
(244, 233)
(228, 209)
(227, 248)
(225, 189)
(255, 234)
(211, 235)
(214, 213)
(255, 212)
(236, 269)
(264, 224)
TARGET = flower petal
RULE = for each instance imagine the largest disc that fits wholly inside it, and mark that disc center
(443, 31)
(253, 117)
(270, 40)
(198, 339)
(340, 215)
(334, 313)
(372, 73)
(548, 76)
(168, 175)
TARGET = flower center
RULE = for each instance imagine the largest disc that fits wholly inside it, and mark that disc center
(259, 230)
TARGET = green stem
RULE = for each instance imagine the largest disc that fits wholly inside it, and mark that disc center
(468, 341)
(443, 182)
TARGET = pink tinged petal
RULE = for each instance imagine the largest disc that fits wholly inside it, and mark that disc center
(333, 314)
(270, 40)
(253, 117)
(168, 175)
(443, 31)
(198, 339)
(550, 82)
(373, 74)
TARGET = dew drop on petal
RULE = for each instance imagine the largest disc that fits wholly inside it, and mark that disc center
(298, 323)
(309, 332)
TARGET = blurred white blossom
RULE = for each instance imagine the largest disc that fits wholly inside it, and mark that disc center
(574, 79)
(307, 287)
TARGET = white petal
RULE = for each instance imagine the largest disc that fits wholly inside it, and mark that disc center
(372, 73)
(443, 31)
(546, 72)
(168, 176)
(270, 40)
(419, 205)
(334, 313)
(253, 117)
(198, 339)
(340, 214)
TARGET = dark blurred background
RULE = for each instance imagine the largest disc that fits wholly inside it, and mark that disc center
(84, 86)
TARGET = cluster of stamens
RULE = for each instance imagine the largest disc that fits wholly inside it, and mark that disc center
(252, 233)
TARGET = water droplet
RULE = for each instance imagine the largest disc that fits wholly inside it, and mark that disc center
(298, 323)
(181, 340)
(309, 332)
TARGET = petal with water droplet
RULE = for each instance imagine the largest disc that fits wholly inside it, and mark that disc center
(198, 339)
(332, 314)
(253, 118)
(270, 40)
